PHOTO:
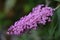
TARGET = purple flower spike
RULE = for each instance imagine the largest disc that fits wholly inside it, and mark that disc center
(39, 15)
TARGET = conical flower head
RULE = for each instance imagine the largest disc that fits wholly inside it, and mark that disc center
(39, 15)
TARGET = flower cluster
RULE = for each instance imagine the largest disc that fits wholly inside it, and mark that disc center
(39, 15)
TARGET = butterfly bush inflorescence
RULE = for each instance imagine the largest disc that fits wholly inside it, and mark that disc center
(39, 15)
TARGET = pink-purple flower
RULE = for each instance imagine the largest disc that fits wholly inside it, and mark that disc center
(39, 15)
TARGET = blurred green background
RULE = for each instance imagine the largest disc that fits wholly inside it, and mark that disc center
(13, 10)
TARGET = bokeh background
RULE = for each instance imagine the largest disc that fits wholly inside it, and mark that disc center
(13, 10)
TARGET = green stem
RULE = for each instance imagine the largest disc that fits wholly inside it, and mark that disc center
(57, 7)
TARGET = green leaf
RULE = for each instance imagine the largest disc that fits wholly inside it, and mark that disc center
(57, 34)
